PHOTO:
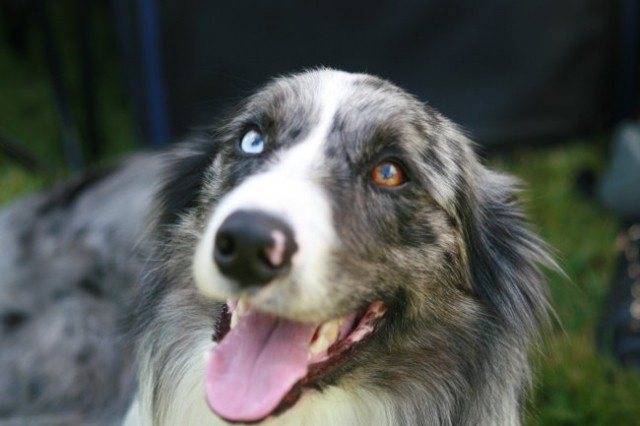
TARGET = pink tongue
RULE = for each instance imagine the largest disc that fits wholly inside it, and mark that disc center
(256, 364)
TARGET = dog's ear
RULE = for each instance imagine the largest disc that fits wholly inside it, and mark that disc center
(184, 175)
(504, 256)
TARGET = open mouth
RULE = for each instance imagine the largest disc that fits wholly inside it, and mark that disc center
(262, 362)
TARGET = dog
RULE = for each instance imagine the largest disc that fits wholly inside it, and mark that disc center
(334, 253)
(70, 256)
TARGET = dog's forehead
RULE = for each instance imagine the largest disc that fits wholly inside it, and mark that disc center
(358, 108)
(356, 116)
(354, 98)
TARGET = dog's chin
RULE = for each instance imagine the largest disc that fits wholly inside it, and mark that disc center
(263, 363)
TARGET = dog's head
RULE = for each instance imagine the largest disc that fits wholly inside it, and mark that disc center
(345, 224)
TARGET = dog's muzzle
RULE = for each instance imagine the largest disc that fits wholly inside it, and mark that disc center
(253, 248)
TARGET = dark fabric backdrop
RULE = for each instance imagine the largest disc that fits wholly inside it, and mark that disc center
(509, 71)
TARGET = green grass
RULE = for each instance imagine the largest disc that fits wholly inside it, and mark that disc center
(27, 108)
(574, 386)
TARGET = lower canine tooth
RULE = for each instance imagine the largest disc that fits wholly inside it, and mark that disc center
(242, 306)
(234, 319)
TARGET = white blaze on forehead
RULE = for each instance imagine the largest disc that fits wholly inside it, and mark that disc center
(290, 190)
(307, 156)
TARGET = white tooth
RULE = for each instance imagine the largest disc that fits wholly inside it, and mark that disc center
(234, 319)
(242, 306)
(331, 329)
(327, 334)
(318, 346)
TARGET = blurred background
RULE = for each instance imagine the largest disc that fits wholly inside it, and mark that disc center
(548, 89)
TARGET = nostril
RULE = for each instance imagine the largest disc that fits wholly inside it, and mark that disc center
(225, 245)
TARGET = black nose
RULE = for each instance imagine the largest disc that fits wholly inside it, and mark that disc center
(253, 248)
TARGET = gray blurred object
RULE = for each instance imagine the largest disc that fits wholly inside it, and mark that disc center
(619, 188)
(69, 257)
(618, 331)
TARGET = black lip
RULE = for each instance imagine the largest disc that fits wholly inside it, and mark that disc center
(224, 324)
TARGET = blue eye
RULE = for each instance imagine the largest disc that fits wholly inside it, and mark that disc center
(252, 142)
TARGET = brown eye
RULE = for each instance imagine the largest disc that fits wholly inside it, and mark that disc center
(388, 173)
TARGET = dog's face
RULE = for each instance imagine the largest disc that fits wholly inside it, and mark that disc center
(359, 177)
(336, 222)
(334, 201)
